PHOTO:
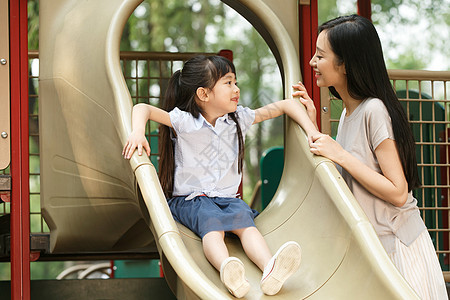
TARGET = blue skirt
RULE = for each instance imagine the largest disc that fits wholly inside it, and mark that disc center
(205, 214)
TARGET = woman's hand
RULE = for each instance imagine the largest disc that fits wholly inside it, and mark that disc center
(324, 145)
(390, 185)
(135, 140)
(306, 101)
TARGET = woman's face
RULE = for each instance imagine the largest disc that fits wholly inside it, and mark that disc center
(324, 63)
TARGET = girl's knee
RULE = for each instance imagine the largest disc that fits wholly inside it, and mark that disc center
(214, 235)
(247, 230)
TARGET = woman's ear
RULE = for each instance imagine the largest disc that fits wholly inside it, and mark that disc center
(345, 70)
(202, 94)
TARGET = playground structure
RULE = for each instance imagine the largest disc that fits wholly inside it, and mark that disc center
(122, 206)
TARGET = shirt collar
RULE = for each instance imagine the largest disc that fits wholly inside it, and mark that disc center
(226, 118)
(201, 121)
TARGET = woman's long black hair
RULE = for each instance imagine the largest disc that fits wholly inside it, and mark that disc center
(355, 42)
(199, 71)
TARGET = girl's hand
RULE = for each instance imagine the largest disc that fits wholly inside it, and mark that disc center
(305, 100)
(135, 140)
(324, 145)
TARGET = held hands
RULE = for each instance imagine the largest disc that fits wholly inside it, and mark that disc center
(324, 145)
(319, 143)
(302, 93)
(305, 100)
(135, 140)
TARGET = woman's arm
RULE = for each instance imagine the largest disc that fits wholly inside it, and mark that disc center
(141, 114)
(390, 186)
(292, 108)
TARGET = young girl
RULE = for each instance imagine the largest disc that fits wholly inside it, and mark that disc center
(201, 155)
(374, 147)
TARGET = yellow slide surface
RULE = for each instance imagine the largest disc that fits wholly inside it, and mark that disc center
(94, 200)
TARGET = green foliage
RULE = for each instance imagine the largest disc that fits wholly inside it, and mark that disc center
(5, 271)
(414, 33)
(408, 60)
(327, 11)
(33, 24)
(175, 26)
(390, 10)
(46, 270)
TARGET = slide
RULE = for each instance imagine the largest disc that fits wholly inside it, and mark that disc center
(95, 201)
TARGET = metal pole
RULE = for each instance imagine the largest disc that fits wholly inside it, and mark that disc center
(365, 9)
(308, 22)
(20, 205)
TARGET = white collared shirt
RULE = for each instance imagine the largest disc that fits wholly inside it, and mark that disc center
(206, 156)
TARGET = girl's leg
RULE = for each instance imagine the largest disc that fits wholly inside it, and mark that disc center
(254, 246)
(232, 272)
(276, 269)
(214, 248)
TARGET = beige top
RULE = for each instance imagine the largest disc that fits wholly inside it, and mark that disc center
(360, 134)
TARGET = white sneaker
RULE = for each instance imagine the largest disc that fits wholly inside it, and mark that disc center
(232, 274)
(280, 267)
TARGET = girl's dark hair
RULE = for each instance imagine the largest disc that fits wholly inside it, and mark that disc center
(356, 44)
(199, 71)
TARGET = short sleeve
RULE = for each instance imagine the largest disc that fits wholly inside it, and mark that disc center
(180, 120)
(246, 117)
(379, 123)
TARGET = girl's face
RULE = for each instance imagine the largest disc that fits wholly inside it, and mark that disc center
(324, 62)
(224, 96)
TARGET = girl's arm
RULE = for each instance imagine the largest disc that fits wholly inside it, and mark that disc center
(390, 186)
(292, 108)
(141, 114)
(300, 91)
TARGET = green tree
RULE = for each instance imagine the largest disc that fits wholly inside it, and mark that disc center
(33, 24)
(413, 33)
(174, 25)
